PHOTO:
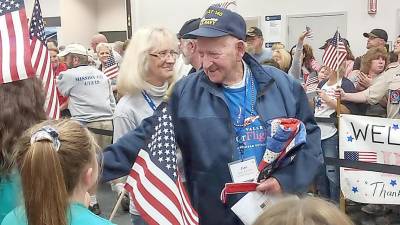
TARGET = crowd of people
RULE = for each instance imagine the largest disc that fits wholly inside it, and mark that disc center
(225, 92)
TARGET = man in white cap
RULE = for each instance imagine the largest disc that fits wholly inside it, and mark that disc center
(91, 100)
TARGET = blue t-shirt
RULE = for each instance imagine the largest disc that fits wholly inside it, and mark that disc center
(250, 131)
(10, 193)
(78, 215)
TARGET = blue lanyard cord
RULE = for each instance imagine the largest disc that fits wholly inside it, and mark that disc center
(149, 100)
(242, 109)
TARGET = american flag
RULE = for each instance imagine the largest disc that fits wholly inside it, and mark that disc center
(370, 157)
(15, 53)
(111, 67)
(312, 82)
(41, 62)
(335, 53)
(154, 181)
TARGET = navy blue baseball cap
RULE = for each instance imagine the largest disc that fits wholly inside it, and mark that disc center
(218, 22)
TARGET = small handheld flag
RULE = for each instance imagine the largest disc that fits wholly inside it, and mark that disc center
(155, 182)
(335, 53)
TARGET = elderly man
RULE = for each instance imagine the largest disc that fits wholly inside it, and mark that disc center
(188, 47)
(214, 109)
(376, 38)
(91, 100)
(255, 42)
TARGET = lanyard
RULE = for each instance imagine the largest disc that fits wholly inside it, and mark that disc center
(240, 121)
(149, 100)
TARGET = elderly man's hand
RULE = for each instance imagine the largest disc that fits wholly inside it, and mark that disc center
(270, 186)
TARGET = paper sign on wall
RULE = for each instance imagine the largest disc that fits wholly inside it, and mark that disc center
(272, 28)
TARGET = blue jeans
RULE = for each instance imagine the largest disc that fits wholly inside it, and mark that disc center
(137, 220)
(330, 148)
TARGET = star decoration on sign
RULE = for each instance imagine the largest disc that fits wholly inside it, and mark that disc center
(395, 126)
(350, 138)
(393, 183)
(354, 189)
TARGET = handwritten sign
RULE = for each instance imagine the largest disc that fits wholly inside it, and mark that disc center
(374, 140)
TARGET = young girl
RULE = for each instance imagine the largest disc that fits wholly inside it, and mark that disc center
(58, 165)
(325, 106)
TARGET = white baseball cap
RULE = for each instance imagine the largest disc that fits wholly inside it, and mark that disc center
(75, 49)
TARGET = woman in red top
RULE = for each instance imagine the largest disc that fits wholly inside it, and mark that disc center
(58, 67)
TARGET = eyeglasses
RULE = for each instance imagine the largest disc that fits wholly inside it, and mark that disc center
(164, 54)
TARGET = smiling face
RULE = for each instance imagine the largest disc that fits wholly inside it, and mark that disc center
(161, 63)
(53, 58)
(220, 57)
(103, 54)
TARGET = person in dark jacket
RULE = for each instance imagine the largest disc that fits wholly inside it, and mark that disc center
(220, 115)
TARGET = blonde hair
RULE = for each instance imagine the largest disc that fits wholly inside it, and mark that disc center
(49, 176)
(284, 59)
(134, 67)
(277, 46)
(305, 211)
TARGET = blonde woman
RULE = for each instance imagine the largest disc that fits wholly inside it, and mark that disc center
(305, 211)
(283, 58)
(145, 75)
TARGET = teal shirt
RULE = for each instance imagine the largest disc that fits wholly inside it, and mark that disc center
(78, 215)
(10, 193)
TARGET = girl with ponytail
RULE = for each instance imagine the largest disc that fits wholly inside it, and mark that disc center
(58, 165)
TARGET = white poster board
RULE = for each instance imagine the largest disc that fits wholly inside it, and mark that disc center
(375, 140)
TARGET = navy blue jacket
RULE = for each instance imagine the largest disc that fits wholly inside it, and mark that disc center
(206, 136)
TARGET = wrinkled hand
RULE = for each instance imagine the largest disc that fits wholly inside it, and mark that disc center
(364, 80)
(270, 186)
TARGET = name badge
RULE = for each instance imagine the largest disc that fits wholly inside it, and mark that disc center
(244, 170)
(394, 96)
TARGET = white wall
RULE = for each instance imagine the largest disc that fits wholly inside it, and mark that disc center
(111, 15)
(173, 13)
(50, 8)
(78, 21)
(82, 18)
(170, 14)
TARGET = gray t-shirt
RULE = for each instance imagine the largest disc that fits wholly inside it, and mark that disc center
(130, 111)
(90, 96)
(265, 54)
